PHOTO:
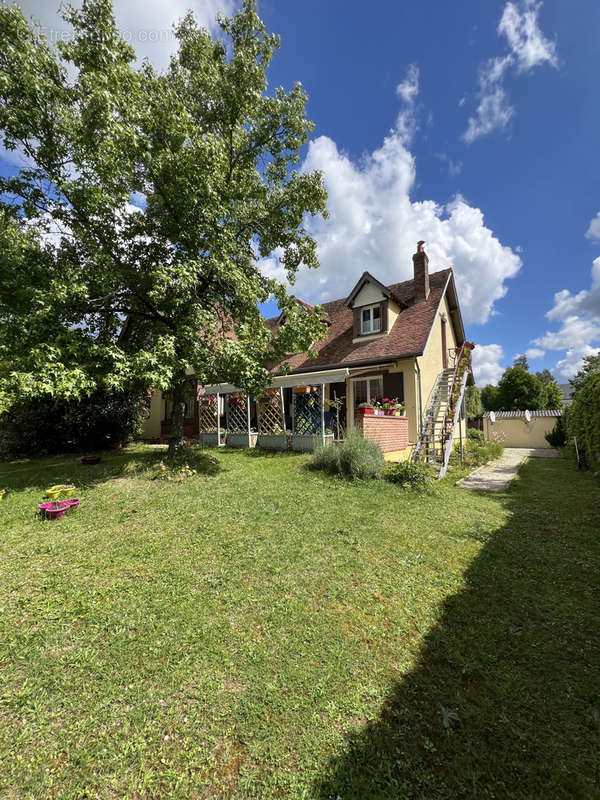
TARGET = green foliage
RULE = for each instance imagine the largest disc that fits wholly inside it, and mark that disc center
(518, 390)
(473, 404)
(186, 463)
(409, 474)
(490, 398)
(473, 433)
(44, 425)
(358, 458)
(521, 362)
(583, 418)
(211, 158)
(326, 457)
(558, 435)
(545, 376)
(551, 396)
(477, 452)
(590, 364)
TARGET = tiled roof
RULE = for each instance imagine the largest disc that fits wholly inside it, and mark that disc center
(407, 337)
(510, 414)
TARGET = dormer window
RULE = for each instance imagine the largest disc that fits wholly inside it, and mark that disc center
(370, 319)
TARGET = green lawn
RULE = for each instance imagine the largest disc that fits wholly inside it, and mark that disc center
(265, 631)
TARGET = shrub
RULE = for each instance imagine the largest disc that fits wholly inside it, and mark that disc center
(327, 458)
(558, 435)
(45, 426)
(409, 474)
(358, 458)
(476, 453)
(583, 420)
(475, 435)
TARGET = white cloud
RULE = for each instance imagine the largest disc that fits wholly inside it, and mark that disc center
(493, 113)
(454, 167)
(374, 225)
(486, 363)
(593, 231)
(527, 49)
(147, 25)
(534, 352)
(579, 331)
(408, 89)
(527, 43)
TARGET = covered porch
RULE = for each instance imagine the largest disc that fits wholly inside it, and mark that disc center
(299, 411)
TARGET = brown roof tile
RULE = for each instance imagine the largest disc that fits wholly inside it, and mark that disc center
(407, 337)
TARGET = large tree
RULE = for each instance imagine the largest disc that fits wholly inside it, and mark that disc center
(98, 293)
(519, 390)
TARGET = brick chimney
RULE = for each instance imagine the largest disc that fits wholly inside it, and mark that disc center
(421, 264)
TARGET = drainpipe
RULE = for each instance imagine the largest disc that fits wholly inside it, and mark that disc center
(420, 395)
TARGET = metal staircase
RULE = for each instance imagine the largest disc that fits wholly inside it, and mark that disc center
(443, 413)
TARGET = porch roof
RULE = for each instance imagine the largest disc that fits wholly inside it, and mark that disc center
(286, 381)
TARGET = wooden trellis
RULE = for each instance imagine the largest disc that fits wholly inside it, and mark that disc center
(237, 413)
(209, 414)
(271, 416)
(307, 412)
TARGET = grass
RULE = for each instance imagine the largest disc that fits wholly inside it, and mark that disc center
(262, 630)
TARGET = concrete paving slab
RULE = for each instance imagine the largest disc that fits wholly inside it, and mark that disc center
(496, 476)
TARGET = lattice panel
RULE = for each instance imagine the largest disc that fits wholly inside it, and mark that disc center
(270, 415)
(208, 414)
(237, 420)
(307, 413)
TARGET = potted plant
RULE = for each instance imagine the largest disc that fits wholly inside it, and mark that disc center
(366, 408)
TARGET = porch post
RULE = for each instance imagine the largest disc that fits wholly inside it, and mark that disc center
(459, 412)
(248, 419)
(218, 420)
(323, 413)
(293, 412)
(282, 408)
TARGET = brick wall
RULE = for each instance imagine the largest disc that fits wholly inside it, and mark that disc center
(390, 433)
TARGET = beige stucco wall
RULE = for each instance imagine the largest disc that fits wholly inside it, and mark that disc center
(151, 427)
(515, 432)
(369, 294)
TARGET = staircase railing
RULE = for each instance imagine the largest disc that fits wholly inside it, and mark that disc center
(448, 436)
(430, 415)
(462, 369)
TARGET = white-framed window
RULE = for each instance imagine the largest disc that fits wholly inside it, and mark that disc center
(367, 390)
(370, 319)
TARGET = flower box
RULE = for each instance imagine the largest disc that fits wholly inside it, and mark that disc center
(306, 444)
(364, 411)
(241, 440)
(272, 441)
(210, 439)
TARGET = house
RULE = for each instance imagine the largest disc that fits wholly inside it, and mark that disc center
(567, 393)
(520, 428)
(405, 341)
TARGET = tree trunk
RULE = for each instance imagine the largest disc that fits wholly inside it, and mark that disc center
(176, 435)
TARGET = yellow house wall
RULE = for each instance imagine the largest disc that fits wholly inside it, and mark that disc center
(151, 426)
(515, 432)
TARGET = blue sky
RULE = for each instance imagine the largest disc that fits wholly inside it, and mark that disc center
(505, 195)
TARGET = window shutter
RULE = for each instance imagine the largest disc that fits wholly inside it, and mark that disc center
(384, 316)
(356, 322)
